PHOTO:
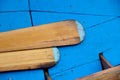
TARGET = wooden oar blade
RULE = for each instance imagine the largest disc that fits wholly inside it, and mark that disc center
(29, 59)
(49, 35)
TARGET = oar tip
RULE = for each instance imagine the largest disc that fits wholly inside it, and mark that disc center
(56, 54)
(81, 31)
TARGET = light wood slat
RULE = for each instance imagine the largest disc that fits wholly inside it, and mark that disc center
(109, 74)
(49, 35)
(28, 59)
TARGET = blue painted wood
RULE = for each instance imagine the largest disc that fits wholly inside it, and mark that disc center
(106, 37)
(11, 21)
(13, 5)
(99, 36)
(14, 20)
(113, 55)
(111, 38)
(97, 17)
(23, 75)
(86, 20)
(78, 71)
(96, 7)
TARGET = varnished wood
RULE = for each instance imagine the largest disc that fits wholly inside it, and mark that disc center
(109, 74)
(49, 35)
(29, 59)
(105, 64)
(46, 73)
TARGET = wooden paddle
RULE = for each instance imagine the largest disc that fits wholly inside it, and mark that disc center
(49, 35)
(28, 59)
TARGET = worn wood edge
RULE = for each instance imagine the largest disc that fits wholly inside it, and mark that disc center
(108, 74)
(30, 66)
(56, 54)
(81, 30)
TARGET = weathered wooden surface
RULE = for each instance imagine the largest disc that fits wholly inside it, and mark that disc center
(29, 59)
(48, 35)
(109, 74)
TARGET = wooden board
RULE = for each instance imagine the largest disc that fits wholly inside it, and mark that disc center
(29, 59)
(49, 35)
(79, 7)
(109, 74)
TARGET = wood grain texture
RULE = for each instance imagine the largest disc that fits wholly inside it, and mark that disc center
(54, 34)
(28, 59)
(109, 74)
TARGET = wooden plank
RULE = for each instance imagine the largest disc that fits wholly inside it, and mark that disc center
(86, 20)
(13, 20)
(81, 7)
(29, 59)
(49, 35)
(77, 71)
(7, 6)
(113, 55)
(23, 75)
(109, 74)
